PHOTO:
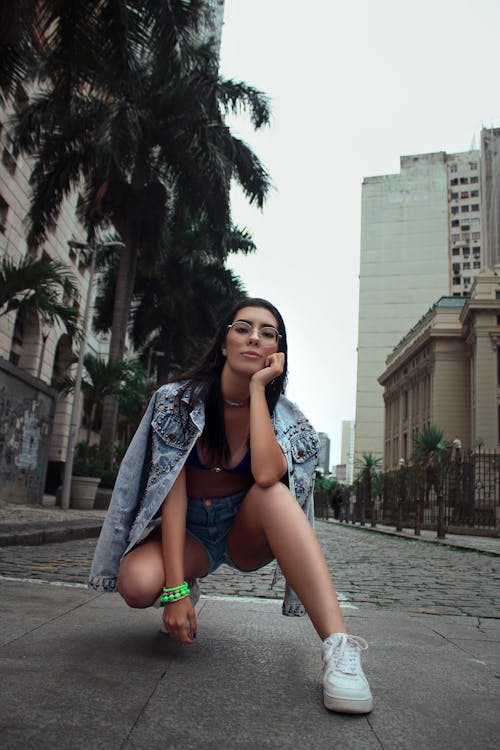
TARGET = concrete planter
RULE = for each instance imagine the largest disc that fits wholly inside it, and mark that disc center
(102, 498)
(83, 492)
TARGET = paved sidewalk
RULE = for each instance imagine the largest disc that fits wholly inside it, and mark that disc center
(82, 670)
(36, 524)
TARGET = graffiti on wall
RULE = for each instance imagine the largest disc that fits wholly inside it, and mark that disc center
(25, 420)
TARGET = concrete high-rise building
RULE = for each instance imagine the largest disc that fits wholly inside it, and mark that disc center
(490, 195)
(347, 449)
(420, 240)
(215, 20)
(324, 452)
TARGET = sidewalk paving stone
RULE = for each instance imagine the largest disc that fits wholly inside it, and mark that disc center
(82, 670)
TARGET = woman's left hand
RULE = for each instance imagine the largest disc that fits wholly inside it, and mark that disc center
(273, 368)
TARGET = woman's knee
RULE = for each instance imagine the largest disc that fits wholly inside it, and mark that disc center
(277, 494)
(139, 588)
(137, 595)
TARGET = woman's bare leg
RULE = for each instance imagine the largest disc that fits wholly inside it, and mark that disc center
(270, 523)
(142, 573)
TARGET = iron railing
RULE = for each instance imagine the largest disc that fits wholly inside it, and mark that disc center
(460, 493)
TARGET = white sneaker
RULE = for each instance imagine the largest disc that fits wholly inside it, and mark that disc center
(345, 687)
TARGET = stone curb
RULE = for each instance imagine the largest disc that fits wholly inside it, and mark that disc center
(43, 533)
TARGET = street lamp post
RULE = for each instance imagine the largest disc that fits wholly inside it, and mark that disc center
(73, 428)
(399, 519)
(45, 336)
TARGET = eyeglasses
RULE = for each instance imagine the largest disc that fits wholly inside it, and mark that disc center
(267, 334)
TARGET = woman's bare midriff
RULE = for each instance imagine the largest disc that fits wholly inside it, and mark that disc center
(202, 483)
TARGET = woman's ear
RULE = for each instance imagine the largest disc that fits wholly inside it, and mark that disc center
(223, 350)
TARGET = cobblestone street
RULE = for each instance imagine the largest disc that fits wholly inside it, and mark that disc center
(368, 569)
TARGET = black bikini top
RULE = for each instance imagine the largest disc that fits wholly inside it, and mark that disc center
(243, 467)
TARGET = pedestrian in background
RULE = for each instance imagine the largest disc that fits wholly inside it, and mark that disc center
(221, 470)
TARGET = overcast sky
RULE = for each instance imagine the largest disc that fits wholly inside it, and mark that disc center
(353, 86)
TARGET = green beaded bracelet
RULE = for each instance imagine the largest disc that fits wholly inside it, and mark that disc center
(184, 585)
(174, 593)
(168, 598)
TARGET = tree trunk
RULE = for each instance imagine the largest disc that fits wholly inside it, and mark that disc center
(89, 432)
(121, 311)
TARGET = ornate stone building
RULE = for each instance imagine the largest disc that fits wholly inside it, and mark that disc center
(446, 371)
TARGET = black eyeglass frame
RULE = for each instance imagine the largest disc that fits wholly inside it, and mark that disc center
(279, 335)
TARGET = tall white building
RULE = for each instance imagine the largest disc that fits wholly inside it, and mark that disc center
(420, 239)
(490, 195)
(215, 22)
(347, 449)
(324, 452)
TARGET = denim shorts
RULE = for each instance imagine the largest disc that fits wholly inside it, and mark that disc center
(209, 520)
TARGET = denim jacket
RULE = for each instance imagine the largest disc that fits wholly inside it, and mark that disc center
(154, 459)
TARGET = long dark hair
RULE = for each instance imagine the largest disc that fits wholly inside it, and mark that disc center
(204, 379)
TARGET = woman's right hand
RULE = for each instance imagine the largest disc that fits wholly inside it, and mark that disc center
(180, 620)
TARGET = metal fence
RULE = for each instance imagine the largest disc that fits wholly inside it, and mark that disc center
(460, 494)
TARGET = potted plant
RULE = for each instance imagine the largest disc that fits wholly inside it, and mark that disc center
(84, 483)
(100, 379)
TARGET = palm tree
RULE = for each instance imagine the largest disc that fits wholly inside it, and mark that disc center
(179, 299)
(430, 450)
(100, 379)
(135, 111)
(367, 470)
(35, 287)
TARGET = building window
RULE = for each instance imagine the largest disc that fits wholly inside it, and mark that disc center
(455, 251)
(454, 196)
(464, 180)
(456, 267)
(455, 223)
(476, 264)
(467, 279)
(454, 209)
(477, 251)
(453, 168)
(474, 179)
(17, 341)
(4, 210)
(456, 280)
(9, 156)
(454, 181)
(474, 207)
(455, 238)
(464, 194)
(476, 235)
(473, 164)
(475, 221)
(466, 265)
(465, 209)
(474, 193)
(466, 252)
